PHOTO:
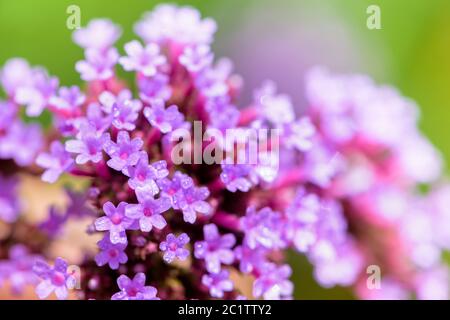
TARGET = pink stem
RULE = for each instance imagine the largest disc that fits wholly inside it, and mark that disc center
(226, 220)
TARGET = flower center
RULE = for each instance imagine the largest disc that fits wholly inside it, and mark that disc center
(113, 253)
(124, 156)
(173, 246)
(132, 292)
(141, 177)
(58, 279)
(148, 212)
(116, 218)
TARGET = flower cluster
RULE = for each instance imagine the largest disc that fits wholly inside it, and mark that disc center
(343, 189)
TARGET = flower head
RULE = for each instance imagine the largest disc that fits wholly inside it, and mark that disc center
(143, 174)
(99, 34)
(273, 283)
(166, 120)
(98, 65)
(89, 145)
(218, 283)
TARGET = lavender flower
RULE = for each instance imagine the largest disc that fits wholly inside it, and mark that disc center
(123, 109)
(182, 25)
(197, 58)
(89, 145)
(166, 120)
(56, 162)
(68, 101)
(154, 88)
(18, 269)
(273, 283)
(173, 247)
(9, 204)
(35, 96)
(98, 65)
(143, 174)
(191, 201)
(215, 249)
(55, 278)
(16, 73)
(250, 259)
(52, 226)
(218, 283)
(124, 153)
(149, 210)
(142, 59)
(238, 177)
(110, 253)
(263, 228)
(99, 34)
(134, 289)
(97, 119)
(115, 222)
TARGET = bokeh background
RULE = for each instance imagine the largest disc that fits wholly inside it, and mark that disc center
(276, 40)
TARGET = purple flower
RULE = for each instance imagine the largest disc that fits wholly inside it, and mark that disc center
(173, 247)
(298, 134)
(154, 88)
(134, 289)
(18, 270)
(98, 34)
(142, 59)
(21, 143)
(182, 25)
(250, 259)
(54, 278)
(273, 283)
(68, 101)
(123, 109)
(89, 145)
(98, 65)
(263, 228)
(97, 119)
(238, 177)
(149, 210)
(53, 224)
(143, 174)
(36, 95)
(303, 216)
(215, 249)
(8, 113)
(124, 153)
(166, 120)
(115, 222)
(222, 114)
(276, 108)
(191, 201)
(9, 204)
(218, 283)
(179, 181)
(110, 253)
(56, 162)
(197, 58)
(16, 73)
(78, 205)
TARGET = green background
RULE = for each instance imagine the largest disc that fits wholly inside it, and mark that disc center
(411, 52)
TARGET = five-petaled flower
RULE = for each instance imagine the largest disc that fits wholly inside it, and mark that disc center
(173, 247)
(115, 222)
(134, 289)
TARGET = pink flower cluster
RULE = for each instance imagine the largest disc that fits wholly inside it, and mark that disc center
(347, 190)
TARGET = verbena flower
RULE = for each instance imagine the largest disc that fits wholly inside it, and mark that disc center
(115, 222)
(274, 284)
(173, 247)
(134, 289)
(215, 249)
(56, 162)
(110, 253)
(218, 283)
(123, 153)
(55, 278)
(89, 145)
(149, 210)
(142, 59)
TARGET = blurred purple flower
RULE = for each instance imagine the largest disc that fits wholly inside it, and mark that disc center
(166, 120)
(273, 283)
(99, 34)
(98, 65)
(197, 58)
(215, 249)
(218, 283)
(56, 162)
(143, 174)
(134, 289)
(89, 145)
(142, 59)
(9, 204)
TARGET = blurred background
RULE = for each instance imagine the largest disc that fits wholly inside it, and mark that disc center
(276, 40)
